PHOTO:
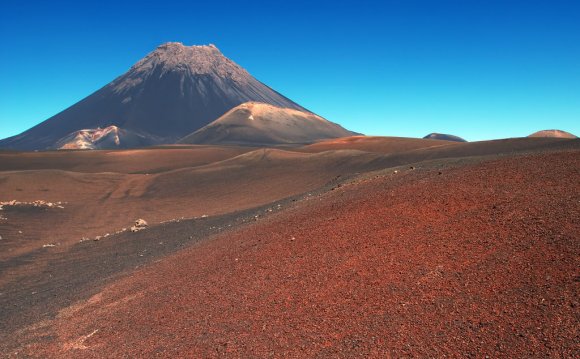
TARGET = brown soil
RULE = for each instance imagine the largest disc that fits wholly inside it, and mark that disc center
(146, 160)
(374, 144)
(451, 258)
(101, 203)
(105, 191)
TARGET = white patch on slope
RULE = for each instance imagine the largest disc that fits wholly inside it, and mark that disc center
(87, 138)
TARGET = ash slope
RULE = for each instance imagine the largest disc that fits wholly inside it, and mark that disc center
(256, 123)
(167, 95)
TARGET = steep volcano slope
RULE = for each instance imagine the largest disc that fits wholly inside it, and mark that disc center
(254, 123)
(415, 149)
(169, 94)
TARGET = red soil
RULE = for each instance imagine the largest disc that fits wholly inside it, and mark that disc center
(468, 261)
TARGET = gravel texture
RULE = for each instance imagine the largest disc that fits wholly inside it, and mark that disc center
(460, 259)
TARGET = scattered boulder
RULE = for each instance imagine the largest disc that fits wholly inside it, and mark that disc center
(37, 203)
(140, 224)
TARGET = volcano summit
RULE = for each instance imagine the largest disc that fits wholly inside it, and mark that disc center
(171, 93)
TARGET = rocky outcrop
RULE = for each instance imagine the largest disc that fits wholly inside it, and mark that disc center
(111, 137)
(139, 225)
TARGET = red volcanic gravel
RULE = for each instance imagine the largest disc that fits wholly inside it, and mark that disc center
(477, 260)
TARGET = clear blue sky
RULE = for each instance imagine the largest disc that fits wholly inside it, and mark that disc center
(478, 69)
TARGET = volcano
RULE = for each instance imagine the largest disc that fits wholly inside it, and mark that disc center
(444, 137)
(254, 123)
(553, 134)
(172, 92)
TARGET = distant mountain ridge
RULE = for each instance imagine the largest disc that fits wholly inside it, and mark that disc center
(172, 92)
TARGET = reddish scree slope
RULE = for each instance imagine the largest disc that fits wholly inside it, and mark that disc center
(478, 260)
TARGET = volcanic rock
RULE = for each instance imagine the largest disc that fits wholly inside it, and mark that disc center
(107, 138)
(140, 224)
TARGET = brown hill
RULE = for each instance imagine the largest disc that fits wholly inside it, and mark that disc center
(378, 144)
(254, 123)
(553, 133)
(145, 160)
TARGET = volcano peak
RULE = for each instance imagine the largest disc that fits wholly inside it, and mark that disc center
(190, 61)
